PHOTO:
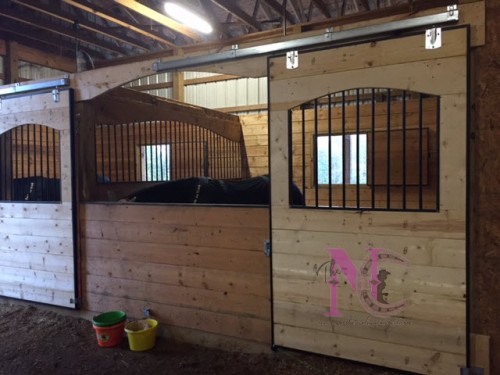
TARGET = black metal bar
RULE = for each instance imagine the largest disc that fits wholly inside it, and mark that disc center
(36, 187)
(162, 143)
(11, 167)
(344, 158)
(149, 172)
(103, 168)
(44, 192)
(303, 159)
(56, 152)
(140, 153)
(3, 171)
(329, 150)
(206, 165)
(129, 177)
(115, 149)
(176, 150)
(15, 130)
(122, 161)
(420, 152)
(373, 160)
(403, 136)
(290, 154)
(357, 150)
(197, 150)
(316, 151)
(47, 152)
(388, 177)
(28, 151)
(22, 160)
(109, 152)
(438, 152)
(157, 147)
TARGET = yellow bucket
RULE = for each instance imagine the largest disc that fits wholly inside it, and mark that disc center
(141, 334)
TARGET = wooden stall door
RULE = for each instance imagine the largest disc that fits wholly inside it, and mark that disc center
(326, 262)
(36, 237)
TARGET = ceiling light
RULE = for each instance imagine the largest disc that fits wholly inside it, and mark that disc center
(188, 18)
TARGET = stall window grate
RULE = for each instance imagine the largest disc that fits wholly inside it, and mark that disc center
(152, 151)
(30, 163)
(367, 149)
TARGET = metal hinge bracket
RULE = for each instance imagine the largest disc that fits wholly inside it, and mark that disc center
(433, 38)
(267, 248)
(56, 95)
(292, 59)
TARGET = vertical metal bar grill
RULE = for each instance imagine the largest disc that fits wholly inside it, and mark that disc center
(372, 149)
(30, 164)
(163, 150)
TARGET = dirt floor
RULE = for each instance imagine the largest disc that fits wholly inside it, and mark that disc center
(36, 340)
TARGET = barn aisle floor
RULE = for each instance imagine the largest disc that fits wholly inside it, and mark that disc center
(35, 339)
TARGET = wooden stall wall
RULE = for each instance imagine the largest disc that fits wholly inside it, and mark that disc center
(201, 270)
(114, 127)
(324, 306)
(255, 134)
(485, 254)
(36, 246)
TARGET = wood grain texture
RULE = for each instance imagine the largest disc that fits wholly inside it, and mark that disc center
(431, 284)
(199, 268)
(36, 239)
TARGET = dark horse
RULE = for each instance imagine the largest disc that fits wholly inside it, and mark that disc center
(254, 191)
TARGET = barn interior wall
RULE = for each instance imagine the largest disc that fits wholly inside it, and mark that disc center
(201, 270)
(485, 184)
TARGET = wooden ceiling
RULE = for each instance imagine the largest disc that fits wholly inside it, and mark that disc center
(107, 30)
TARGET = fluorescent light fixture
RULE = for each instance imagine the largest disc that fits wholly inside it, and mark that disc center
(188, 18)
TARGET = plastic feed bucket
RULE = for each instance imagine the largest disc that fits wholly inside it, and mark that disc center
(110, 318)
(110, 336)
(141, 334)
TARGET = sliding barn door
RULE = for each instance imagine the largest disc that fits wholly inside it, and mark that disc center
(36, 204)
(372, 267)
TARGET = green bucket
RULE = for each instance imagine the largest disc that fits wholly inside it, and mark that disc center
(109, 318)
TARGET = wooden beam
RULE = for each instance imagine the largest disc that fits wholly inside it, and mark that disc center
(178, 86)
(238, 13)
(67, 32)
(70, 18)
(160, 18)
(187, 82)
(11, 63)
(39, 57)
(103, 13)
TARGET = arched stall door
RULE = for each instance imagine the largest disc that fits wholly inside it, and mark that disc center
(37, 230)
(373, 267)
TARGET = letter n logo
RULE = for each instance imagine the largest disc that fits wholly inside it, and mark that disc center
(364, 282)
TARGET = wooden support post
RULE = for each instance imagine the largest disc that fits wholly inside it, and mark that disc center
(6, 166)
(178, 86)
(11, 63)
(480, 352)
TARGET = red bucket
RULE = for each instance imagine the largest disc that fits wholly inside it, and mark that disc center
(110, 336)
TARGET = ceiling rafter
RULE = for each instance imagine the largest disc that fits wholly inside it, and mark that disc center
(297, 9)
(320, 4)
(104, 14)
(57, 29)
(238, 13)
(210, 15)
(41, 39)
(160, 18)
(279, 9)
(71, 18)
(365, 3)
